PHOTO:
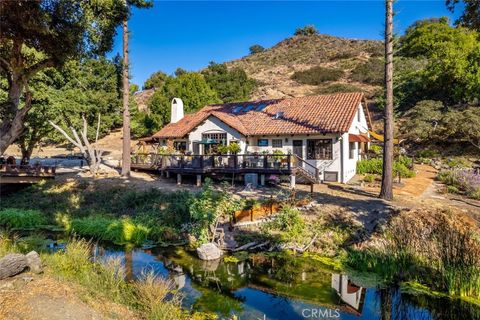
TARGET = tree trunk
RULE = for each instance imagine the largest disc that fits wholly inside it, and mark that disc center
(126, 111)
(387, 174)
(11, 129)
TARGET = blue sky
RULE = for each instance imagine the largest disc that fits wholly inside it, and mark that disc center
(190, 34)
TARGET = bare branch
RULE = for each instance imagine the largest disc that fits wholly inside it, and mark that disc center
(98, 129)
(65, 134)
(79, 142)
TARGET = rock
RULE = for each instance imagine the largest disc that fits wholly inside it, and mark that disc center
(34, 262)
(209, 251)
(12, 264)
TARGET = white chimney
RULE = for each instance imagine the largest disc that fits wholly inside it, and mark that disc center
(177, 110)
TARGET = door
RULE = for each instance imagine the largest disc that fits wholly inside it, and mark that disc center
(298, 151)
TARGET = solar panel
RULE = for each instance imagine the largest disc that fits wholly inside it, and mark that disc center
(237, 109)
(260, 107)
(248, 108)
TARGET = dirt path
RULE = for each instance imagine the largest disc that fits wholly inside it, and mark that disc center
(40, 297)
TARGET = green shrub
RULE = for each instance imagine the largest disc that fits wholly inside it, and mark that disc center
(427, 153)
(370, 72)
(458, 163)
(376, 149)
(372, 166)
(452, 189)
(375, 166)
(21, 219)
(308, 30)
(317, 75)
(369, 178)
(289, 222)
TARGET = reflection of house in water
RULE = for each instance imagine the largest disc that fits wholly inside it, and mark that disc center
(349, 292)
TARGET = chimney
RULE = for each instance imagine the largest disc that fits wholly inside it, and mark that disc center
(177, 110)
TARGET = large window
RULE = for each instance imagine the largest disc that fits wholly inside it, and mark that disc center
(319, 149)
(212, 140)
(218, 137)
(277, 143)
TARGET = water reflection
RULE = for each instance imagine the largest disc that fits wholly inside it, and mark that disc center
(349, 292)
(282, 287)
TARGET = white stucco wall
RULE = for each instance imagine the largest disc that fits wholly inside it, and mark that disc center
(340, 144)
(211, 125)
(332, 165)
(359, 126)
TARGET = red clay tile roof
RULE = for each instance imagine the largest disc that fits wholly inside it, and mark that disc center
(330, 113)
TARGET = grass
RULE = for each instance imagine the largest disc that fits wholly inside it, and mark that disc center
(12, 218)
(118, 231)
(110, 213)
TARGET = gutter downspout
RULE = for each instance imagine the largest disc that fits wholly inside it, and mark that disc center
(341, 159)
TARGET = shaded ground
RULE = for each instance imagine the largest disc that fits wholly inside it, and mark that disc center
(40, 297)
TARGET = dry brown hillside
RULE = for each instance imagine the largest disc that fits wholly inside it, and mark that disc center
(274, 67)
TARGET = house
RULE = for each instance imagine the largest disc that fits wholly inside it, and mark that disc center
(324, 135)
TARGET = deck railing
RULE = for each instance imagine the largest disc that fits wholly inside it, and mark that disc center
(233, 162)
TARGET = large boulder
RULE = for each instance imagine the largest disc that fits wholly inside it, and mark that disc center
(13, 264)
(209, 251)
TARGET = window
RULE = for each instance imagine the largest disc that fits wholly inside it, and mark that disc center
(351, 148)
(262, 142)
(180, 146)
(277, 143)
(319, 149)
(359, 113)
(219, 137)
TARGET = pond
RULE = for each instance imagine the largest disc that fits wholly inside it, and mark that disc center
(276, 286)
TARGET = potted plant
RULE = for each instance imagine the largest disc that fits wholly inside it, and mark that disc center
(277, 159)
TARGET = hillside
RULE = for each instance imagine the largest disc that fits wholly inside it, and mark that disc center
(274, 67)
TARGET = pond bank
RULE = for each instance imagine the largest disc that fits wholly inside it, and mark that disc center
(356, 237)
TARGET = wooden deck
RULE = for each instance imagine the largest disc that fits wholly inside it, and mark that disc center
(225, 164)
(25, 173)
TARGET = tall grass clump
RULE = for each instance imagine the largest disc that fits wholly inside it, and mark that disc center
(157, 297)
(12, 218)
(439, 248)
